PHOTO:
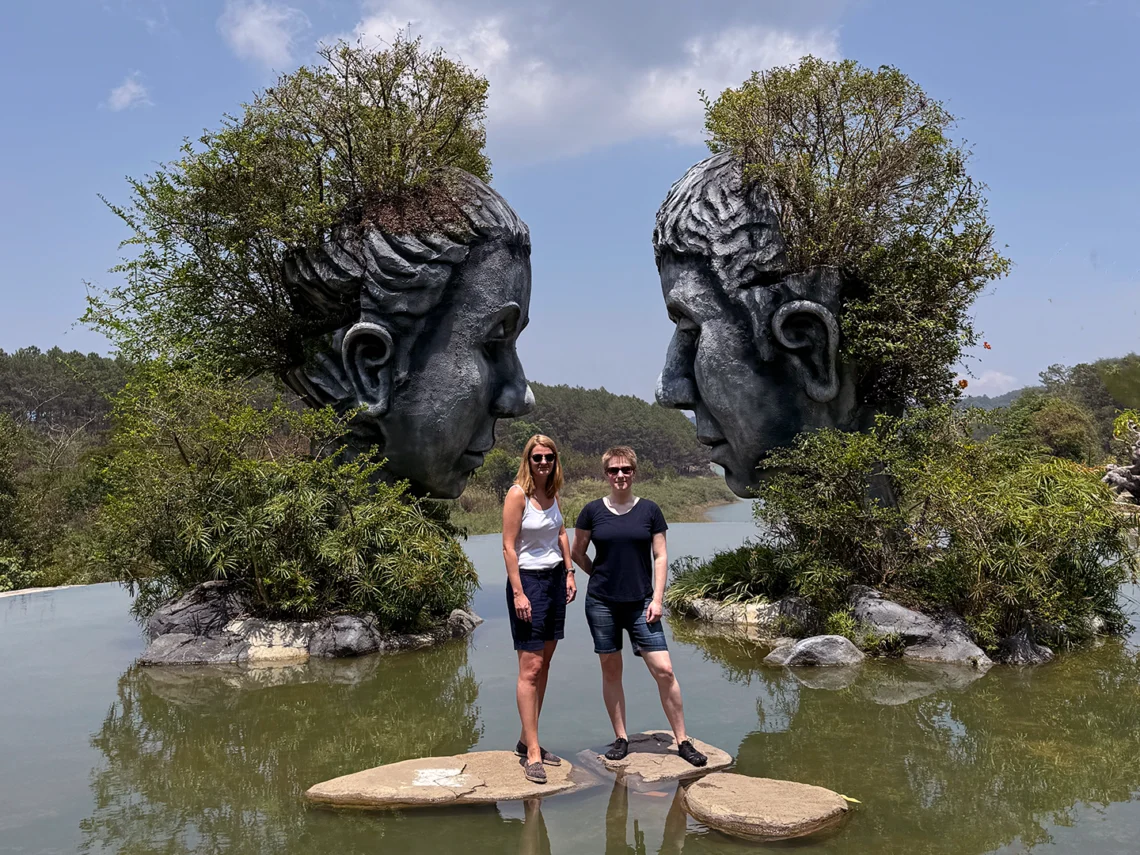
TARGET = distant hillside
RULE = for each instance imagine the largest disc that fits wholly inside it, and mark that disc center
(985, 402)
(591, 420)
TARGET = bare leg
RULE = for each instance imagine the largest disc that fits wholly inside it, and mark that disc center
(526, 693)
(547, 655)
(612, 692)
(661, 667)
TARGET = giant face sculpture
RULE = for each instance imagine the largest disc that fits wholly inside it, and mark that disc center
(755, 354)
(425, 341)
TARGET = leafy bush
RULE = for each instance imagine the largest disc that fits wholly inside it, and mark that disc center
(923, 511)
(1060, 426)
(865, 176)
(205, 485)
(364, 136)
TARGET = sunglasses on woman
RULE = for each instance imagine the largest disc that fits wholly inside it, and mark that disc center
(542, 458)
(619, 470)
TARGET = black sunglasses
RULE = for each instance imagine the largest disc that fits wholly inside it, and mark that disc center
(542, 458)
(615, 470)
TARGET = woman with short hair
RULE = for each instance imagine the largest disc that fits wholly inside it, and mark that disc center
(625, 593)
(540, 584)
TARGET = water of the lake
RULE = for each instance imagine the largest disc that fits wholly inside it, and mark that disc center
(100, 756)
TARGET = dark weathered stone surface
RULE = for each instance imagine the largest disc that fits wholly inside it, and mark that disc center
(345, 635)
(817, 651)
(1020, 649)
(425, 394)
(178, 648)
(770, 363)
(762, 808)
(203, 611)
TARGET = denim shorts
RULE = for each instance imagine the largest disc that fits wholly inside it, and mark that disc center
(546, 590)
(607, 619)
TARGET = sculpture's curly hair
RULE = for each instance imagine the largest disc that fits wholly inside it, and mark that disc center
(711, 212)
(367, 274)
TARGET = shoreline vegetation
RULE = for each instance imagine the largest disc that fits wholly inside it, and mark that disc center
(681, 499)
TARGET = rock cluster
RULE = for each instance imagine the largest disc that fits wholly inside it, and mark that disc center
(926, 639)
(1021, 649)
(210, 626)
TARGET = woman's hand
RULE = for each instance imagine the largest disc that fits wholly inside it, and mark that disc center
(522, 606)
(653, 611)
(571, 588)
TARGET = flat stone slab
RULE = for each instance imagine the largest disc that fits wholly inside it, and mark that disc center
(653, 760)
(762, 808)
(482, 777)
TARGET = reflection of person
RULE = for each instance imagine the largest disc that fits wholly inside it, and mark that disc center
(617, 824)
(417, 333)
(535, 839)
(755, 354)
(540, 583)
(626, 590)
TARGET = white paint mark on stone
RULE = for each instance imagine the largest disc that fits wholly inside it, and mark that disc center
(439, 778)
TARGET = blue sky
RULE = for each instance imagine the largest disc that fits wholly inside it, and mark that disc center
(593, 114)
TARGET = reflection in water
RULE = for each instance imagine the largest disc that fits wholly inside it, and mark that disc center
(213, 759)
(945, 762)
(618, 841)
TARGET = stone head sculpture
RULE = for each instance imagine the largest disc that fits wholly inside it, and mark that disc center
(420, 336)
(756, 351)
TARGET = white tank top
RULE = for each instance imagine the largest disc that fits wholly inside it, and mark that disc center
(537, 545)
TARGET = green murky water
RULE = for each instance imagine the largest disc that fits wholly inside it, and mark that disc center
(99, 756)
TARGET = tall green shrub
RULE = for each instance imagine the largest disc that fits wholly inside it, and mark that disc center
(206, 485)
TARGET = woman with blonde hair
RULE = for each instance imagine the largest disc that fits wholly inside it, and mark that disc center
(540, 583)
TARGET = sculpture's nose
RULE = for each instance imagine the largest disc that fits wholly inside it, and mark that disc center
(514, 397)
(676, 386)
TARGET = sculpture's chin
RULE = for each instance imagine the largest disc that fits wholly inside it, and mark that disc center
(743, 487)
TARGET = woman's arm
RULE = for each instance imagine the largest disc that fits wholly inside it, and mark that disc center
(660, 572)
(581, 543)
(513, 506)
(564, 545)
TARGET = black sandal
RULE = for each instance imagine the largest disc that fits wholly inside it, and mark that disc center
(548, 757)
(619, 749)
(535, 773)
(689, 752)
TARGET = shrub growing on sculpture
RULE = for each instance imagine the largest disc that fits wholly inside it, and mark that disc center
(821, 265)
(1006, 538)
(340, 234)
(864, 176)
(209, 483)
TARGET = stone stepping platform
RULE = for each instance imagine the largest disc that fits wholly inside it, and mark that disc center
(482, 777)
(762, 808)
(653, 760)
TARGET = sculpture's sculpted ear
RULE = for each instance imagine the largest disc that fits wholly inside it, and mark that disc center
(367, 353)
(810, 332)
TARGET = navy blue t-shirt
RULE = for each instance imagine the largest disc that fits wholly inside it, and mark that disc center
(623, 561)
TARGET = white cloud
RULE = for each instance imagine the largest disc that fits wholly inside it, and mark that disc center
(992, 383)
(130, 93)
(556, 93)
(262, 32)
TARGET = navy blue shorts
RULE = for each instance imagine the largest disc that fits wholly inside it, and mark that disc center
(546, 590)
(607, 620)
